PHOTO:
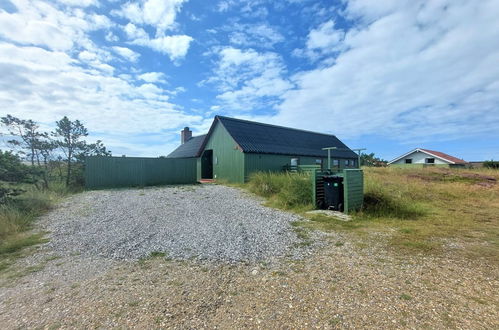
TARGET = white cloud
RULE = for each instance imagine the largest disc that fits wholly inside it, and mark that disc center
(175, 47)
(134, 32)
(79, 3)
(322, 41)
(126, 53)
(152, 77)
(33, 32)
(414, 70)
(43, 24)
(247, 8)
(249, 80)
(111, 37)
(45, 85)
(224, 5)
(254, 35)
(158, 13)
(87, 56)
(325, 37)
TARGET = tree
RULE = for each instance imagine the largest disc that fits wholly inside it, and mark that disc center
(29, 138)
(13, 171)
(94, 149)
(69, 136)
(372, 160)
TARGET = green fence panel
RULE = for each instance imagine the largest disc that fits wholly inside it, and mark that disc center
(112, 172)
(353, 184)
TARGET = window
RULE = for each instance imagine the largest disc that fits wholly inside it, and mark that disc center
(294, 161)
(408, 161)
(336, 162)
(430, 160)
(347, 162)
(318, 162)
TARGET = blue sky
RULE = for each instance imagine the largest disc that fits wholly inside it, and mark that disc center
(387, 75)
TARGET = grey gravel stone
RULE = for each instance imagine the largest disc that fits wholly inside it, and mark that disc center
(207, 222)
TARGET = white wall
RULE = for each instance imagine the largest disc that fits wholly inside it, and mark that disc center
(419, 157)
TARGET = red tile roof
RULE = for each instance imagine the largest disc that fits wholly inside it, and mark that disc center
(445, 156)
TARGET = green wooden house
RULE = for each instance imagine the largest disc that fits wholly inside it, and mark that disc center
(234, 148)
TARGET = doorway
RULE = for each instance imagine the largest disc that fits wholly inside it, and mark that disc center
(207, 165)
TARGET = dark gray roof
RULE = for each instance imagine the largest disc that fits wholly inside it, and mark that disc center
(255, 137)
(188, 149)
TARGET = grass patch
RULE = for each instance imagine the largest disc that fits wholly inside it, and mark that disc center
(16, 219)
(420, 210)
(289, 191)
(157, 254)
(405, 296)
(18, 242)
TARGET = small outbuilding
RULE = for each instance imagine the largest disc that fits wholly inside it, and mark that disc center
(420, 157)
(234, 148)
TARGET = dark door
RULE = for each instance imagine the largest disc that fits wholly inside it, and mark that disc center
(207, 165)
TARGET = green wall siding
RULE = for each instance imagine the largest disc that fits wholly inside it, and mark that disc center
(111, 172)
(228, 160)
(198, 168)
(267, 162)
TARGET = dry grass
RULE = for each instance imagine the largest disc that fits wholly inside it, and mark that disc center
(16, 219)
(428, 210)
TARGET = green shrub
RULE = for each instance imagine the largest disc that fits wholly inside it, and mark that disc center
(491, 164)
(283, 189)
(382, 200)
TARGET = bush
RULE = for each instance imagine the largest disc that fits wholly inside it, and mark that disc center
(491, 164)
(285, 190)
(12, 169)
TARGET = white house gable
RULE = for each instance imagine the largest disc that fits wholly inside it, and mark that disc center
(419, 157)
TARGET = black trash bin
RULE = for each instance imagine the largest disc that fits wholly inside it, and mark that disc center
(333, 193)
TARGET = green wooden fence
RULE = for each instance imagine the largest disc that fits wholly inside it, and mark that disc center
(112, 172)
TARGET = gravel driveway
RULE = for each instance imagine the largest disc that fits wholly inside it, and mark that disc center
(205, 221)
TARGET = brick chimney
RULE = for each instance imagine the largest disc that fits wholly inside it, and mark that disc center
(185, 135)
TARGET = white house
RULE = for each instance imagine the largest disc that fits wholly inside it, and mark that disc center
(425, 157)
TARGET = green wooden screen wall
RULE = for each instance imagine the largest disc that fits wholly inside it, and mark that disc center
(353, 184)
(111, 172)
(353, 188)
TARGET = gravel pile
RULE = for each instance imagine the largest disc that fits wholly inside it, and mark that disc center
(210, 222)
